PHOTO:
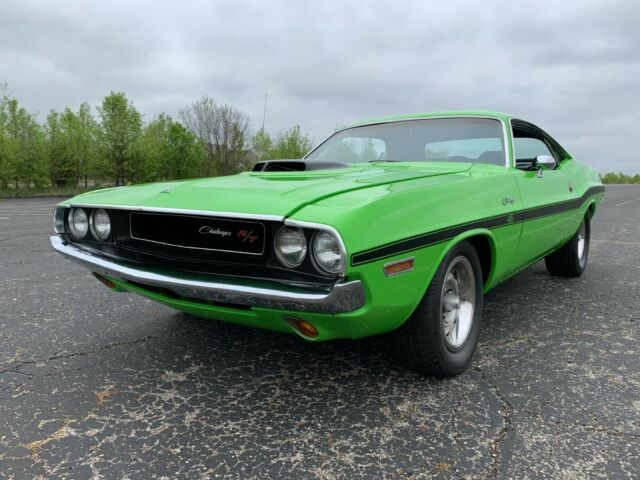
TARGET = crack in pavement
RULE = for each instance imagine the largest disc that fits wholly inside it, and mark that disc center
(506, 412)
(597, 428)
(109, 346)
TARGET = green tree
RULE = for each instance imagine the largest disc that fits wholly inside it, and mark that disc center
(85, 141)
(169, 150)
(290, 144)
(619, 178)
(261, 143)
(121, 125)
(153, 148)
(185, 153)
(24, 147)
(61, 169)
(4, 138)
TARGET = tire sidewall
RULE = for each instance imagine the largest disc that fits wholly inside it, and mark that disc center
(582, 262)
(457, 359)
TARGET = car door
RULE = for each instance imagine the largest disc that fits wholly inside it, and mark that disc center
(545, 227)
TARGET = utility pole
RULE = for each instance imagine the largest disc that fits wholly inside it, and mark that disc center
(264, 113)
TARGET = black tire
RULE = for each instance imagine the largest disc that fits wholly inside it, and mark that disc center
(568, 261)
(420, 343)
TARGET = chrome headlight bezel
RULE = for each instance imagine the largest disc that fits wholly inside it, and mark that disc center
(95, 231)
(73, 227)
(302, 238)
(321, 265)
(59, 214)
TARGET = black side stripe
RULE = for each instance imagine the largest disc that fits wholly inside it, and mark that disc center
(439, 236)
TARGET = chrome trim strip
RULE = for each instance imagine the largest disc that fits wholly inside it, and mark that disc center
(505, 144)
(513, 144)
(343, 297)
(204, 213)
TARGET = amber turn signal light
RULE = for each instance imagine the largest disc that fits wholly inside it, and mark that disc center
(401, 266)
(105, 281)
(303, 327)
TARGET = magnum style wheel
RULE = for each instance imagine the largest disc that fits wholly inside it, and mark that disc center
(441, 335)
(571, 259)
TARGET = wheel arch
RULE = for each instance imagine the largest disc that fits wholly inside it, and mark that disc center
(485, 245)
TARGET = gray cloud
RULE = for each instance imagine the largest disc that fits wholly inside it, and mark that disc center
(572, 67)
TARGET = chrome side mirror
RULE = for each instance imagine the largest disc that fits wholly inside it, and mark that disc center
(546, 161)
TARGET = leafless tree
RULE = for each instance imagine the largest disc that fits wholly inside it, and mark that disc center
(225, 132)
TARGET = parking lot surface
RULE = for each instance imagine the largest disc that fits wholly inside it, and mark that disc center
(96, 384)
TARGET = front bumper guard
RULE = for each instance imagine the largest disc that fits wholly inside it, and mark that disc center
(343, 297)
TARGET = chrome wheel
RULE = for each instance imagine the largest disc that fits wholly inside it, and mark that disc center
(457, 301)
(582, 234)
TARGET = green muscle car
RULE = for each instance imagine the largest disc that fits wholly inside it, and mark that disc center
(395, 225)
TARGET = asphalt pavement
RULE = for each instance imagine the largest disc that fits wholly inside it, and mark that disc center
(97, 384)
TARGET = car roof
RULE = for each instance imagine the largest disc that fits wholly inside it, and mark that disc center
(416, 116)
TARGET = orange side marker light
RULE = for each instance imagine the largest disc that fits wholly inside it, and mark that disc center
(105, 281)
(401, 266)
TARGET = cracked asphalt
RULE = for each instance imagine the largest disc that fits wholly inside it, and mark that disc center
(95, 384)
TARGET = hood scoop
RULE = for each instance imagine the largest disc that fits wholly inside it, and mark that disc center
(295, 166)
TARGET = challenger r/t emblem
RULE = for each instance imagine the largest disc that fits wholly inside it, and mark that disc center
(247, 235)
(209, 230)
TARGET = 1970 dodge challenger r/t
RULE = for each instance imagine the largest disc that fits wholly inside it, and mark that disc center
(395, 225)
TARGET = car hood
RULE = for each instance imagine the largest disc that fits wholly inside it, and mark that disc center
(263, 193)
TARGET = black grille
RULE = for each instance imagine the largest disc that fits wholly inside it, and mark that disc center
(202, 233)
(170, 241)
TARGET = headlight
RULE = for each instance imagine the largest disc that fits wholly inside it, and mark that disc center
(291, 246)
(327, 252)
(100, 224)
(78, 223)
(58, 219)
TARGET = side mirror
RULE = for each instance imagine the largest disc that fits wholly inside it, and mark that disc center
(546, 161)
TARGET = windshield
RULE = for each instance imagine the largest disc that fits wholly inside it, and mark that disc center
(430, 140)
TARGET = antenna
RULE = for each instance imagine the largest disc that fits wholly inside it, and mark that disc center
(264, 113)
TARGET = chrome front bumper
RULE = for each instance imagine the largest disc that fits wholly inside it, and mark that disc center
(343, 297)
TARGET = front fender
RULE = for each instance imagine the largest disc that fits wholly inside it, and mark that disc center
(391, 300)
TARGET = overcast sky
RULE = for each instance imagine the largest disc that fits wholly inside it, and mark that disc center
(573, 67)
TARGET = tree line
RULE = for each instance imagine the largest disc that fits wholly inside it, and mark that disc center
(114, 146)
(620, 178)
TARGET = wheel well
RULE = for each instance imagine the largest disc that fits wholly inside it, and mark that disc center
(591, 209)
(483, 246)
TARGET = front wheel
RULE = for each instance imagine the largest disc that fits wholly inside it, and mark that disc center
(571, 259)
(441, 335)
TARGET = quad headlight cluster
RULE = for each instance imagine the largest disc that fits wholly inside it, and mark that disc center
(326, 250)
(81, 223)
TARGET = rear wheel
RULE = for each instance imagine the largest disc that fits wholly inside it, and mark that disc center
(441, 335)
(571, 259)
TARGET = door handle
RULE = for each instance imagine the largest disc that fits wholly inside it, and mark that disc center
(507, 200)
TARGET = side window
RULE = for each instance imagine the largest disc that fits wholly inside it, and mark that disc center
(526, 149)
